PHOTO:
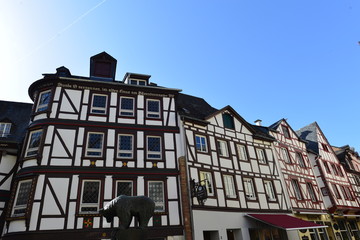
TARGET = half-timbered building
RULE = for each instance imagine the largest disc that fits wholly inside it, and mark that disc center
(303, 191)
(14, 119)
(91, 139)
(234, 161)
(338, 195)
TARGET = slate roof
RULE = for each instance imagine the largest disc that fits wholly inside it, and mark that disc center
(19, 116)
(308, 133)
(198, 109)
(194, 107)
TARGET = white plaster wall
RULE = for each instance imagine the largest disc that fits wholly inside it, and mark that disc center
(7, 163)
(17, 226)
(221, 221)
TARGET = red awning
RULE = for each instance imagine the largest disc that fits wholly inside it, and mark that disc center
(284, 221)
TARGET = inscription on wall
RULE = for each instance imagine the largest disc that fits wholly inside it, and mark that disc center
(75, 86)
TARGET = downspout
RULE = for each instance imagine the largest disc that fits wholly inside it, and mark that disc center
(185, 187)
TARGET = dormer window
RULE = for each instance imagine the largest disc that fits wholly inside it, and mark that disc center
(137, 82)
(44, 99)
(285, 131)
(5, 129)
(228, 121)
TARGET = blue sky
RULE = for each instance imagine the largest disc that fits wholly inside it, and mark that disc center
(269, 60)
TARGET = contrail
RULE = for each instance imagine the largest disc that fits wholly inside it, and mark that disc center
(62, 30)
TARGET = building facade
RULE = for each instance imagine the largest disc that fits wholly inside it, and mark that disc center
(14, 119)
(91, 139)
(332, 179)
(304, 194)
(234, 161)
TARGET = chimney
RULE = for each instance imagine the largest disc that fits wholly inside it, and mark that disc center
(258, 122)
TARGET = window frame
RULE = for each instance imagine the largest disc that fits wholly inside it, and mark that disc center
(229, 186)
(36, 148)
(42, 107)
(327, 168)
(250, 195)
(137, 82)
(83, 205)
(285, 155)
(300, 159)
(94, 108)
(228, 121)
(124, 181)
(5, 129)
(22, 206)
(163, 205)
(336, 191)
(285, 131)
(120, 151)
(263, 159)
(209, 183)
(156, 115)
(297, 190)
(149, 152)
(201, 144)
(242, 152)
(94, 150)
(223, 148)
(311, 191)
(270, 190)
(132, 112)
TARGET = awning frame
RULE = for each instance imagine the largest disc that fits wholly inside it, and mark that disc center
(284, 228)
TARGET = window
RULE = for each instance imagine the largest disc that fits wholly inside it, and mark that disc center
(94, 146)
(206, 180)
(327, 167)
(156, 193)
(343, 229)
(125, 148)
(311, 191)
(22, 198)
(124, 187)
(228, 121)
(249, 189)
(229, 186)
(285, 155)
(336, 191)
(261, 155)
(354, 229)
(153, 108)
(300, 159)
(200, 143)
(297, 190)
(44, 99)
(324, 146)
(34, 143)
(242, 152)
(90, 197)
(5, 129)
(285, 131)
(340, 171)
(222, 148)
(127, 106)
(153, 147)
(344, 192)
(98, 104)
(137, 82)
(334, 169)
(269, 190)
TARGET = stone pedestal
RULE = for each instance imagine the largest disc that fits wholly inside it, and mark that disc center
(130, 234)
